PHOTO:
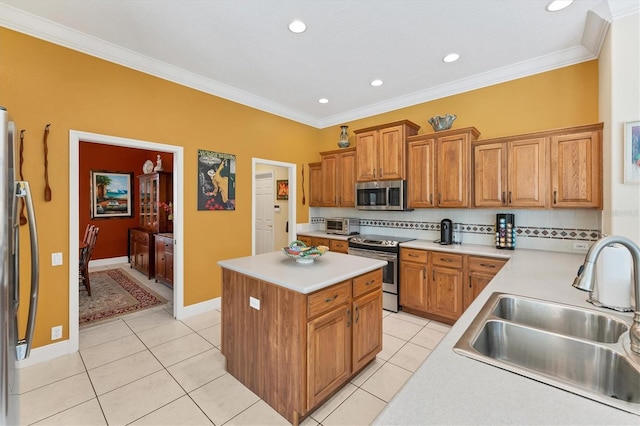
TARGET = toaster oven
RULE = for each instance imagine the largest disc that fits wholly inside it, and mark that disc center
(342, 225)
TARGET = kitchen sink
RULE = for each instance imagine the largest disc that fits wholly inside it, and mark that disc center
(544, 341)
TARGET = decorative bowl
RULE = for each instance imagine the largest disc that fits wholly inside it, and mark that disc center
(439, 122)
(302, 254)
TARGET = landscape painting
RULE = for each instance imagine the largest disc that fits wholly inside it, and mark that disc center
(111, 194)
(632, 152)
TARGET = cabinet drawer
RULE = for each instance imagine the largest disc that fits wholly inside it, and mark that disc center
(339, 246)
(413, 255)
(367, 282)
(446, 259)
(317, 241)
(140, 237)
(486, 264)
(328, 298)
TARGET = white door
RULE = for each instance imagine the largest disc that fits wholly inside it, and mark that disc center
(264, 212)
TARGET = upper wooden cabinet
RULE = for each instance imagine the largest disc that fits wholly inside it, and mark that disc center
(576, 167)
(440, 168)
(510, 173)
(315, 184)
(338, 178)
(380, 151)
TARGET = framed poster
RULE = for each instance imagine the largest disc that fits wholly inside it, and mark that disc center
(282, 187)
(111, 194)
(632, 152)
(216, 180)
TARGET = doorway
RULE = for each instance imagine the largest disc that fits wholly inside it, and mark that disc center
(178, 230)
(284, 211)
(264, 212)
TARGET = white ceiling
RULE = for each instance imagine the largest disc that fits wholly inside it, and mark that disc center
(242, 50)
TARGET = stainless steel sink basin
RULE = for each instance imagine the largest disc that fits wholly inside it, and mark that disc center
(562, 319)
(541, 340)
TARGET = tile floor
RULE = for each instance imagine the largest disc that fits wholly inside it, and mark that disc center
(147, 368)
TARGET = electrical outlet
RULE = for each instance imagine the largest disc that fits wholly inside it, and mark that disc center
(581, 246)
(56, 332)
(56, 259)
(254, 303)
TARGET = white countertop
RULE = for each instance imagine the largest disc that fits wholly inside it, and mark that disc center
(452, 389)
(276, 268)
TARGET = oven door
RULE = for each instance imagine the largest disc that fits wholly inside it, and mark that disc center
(389, 271)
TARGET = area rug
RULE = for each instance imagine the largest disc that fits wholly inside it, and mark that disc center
(114, 293)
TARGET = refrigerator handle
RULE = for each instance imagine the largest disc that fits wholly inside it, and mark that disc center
(23, 347)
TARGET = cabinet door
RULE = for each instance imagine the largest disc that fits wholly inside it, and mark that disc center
(328, 353)
(420, 185)
(391, 152)
(315, 185)
(576, 179)
(168, 264)
(477, 282)
(445, 292)
(366, 156)
(527, 173)
(160, 259)
(413, 285)
(490, 177)
(367, 328)
(329, 180)
(338, 246)
(347, 179)
(453, 170)
(308, 241)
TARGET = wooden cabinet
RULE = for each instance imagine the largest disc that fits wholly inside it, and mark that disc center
(576, 167)
(339, 246)
(164, 259)
(510, 173)
(297, 350)
(445, 289)
(141, 251)
(308, 241)
(315, 184)
(338, 178)
(481, 271)
(381, 151)
(413, 279)
(439, 173)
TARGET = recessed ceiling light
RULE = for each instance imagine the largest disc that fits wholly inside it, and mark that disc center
(323, 100)
(557, 5)
(451, 57)
(377, 82)
(297, 27)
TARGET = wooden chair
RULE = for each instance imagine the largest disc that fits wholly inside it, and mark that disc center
(90, 237)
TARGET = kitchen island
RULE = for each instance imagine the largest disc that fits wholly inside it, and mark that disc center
(451, 389)
(296, 333)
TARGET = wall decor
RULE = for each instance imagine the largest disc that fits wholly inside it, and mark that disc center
(283, 189)
(216, 180)
(632, 152)
(111, 194)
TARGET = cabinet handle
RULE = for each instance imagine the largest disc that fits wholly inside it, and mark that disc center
(374, 173)
(439, 199)
(446, 260)
(380, 172)
(412, 255)
(433, 274)
(331, 299)
(369, 283)
(487, 265)
(470, 286)
(424, 274)
(431, 199)
(503, 199)
(509, 197)
(348, 317)
(554, 197)
(357, 314)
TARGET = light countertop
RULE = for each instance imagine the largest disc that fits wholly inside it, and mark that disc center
(452, 389)
(276, 268)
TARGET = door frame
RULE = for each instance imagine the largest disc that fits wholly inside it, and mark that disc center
(291, 211)
(271, 176)
(75, 137)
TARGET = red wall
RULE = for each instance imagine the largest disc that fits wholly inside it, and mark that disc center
(113, 237)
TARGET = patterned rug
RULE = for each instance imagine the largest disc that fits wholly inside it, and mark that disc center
(114, 293)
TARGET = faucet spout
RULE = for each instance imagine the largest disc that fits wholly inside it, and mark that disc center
(585, 278)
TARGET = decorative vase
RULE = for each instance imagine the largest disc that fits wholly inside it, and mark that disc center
(344, 137)
(439, 122)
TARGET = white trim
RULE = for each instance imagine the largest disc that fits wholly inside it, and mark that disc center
(47, 353)
(75, 137)
(201, 308)
(291, 213)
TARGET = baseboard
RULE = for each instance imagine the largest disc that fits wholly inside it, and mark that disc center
(110, 261)
(47, 353)
(200, 308)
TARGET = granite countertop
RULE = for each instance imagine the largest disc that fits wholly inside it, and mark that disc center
(452, 389)
(276, 268)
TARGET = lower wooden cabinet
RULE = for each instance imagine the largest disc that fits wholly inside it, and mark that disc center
(141, 251)
(445, 289)
(481, 270)
(164, 258)
(413, 278)
(338, 246)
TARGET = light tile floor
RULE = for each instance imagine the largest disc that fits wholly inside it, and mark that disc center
(147, 368)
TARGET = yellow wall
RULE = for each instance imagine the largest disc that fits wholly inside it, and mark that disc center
(43, 83)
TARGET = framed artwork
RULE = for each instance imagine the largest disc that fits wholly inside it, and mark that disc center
(632, 152)
(111, 194)
(216, 180)
(283, 189)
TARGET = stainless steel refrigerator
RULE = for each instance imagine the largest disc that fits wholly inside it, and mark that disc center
(13, 348)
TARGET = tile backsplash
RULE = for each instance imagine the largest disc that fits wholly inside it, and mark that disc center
(554, 230)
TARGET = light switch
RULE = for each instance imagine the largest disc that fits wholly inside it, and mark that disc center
(254, 303)
(56, 259)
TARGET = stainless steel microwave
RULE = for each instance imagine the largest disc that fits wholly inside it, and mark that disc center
(342, 225)
(382, 195)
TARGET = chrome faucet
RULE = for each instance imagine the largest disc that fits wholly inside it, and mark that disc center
(585, 279)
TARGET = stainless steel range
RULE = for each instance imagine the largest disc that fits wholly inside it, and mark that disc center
(387, 248)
